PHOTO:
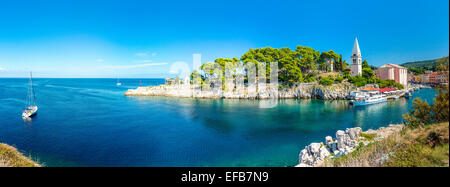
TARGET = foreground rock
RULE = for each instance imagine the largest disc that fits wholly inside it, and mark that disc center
(303, 90)
(344, 143)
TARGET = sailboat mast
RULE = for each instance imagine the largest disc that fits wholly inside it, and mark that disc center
(32, 96)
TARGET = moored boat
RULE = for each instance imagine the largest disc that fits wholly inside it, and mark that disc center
(368, 97)
(407, 95)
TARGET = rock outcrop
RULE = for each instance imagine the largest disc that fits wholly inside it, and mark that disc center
(302, 90)
(344, 143)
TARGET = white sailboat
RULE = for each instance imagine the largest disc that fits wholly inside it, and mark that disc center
(31, 108)
(118, 82)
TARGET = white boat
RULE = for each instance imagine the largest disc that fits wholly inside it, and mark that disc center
(31, 108)
(368, 98)
(118, 82)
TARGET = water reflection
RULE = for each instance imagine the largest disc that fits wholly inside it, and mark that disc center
(284, 116)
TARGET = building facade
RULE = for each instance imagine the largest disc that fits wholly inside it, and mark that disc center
(356, 64)
(393, 72)
(442, 78)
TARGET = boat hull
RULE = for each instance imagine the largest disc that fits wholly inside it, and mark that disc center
(363, 103)
(30, 112)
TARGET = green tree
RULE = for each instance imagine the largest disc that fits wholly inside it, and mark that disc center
(326, 58)
(308, 58)
(367, 73)
(196, 77)
(259, 55)
(440, 108)
(365, 64)
(208, 69)
(420, 115)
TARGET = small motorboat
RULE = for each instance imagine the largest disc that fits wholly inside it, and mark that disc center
(407, 95)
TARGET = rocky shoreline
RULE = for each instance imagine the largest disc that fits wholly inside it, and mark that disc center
(344, 143)
(300, 91)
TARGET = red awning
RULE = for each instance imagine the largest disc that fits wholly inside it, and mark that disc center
(386, 89)
(369, 89)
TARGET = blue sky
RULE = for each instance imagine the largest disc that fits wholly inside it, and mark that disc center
(143, 38)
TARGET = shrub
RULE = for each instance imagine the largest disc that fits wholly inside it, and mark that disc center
(310, 77)
(326, 81)
(420, 115)
(358, 81)
(339, 79)
(368, 137)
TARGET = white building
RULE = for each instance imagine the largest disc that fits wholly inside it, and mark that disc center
(356, 64)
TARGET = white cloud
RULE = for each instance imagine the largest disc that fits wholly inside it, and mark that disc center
(134, 66)
(2, 69)
(154, 54)
(100, 60)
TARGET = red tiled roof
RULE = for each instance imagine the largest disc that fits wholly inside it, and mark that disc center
(392, 65)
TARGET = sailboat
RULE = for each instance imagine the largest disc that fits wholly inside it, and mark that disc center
(31, 108)
(118, 82)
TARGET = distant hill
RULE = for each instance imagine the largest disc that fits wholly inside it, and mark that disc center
(421, 64)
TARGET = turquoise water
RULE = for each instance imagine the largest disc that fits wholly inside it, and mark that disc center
(88, 122)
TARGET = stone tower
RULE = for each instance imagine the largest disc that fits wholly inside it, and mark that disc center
(356, 66)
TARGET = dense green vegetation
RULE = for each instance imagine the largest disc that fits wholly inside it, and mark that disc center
(303, 64)
(419, 67)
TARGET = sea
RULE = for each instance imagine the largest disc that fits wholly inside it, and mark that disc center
(89, 122)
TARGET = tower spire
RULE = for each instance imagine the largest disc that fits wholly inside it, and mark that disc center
(356, 65)
(356, 50)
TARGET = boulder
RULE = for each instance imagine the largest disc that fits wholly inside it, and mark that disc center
(340, 139)
(353, 133)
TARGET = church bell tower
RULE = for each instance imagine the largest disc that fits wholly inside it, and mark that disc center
(356, 64)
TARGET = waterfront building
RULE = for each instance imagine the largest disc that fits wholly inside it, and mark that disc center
(425, 78)
(432, 78)
(393, 72)
(442, 78)
(356, 62)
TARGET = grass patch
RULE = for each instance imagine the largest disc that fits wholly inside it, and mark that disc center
(10, 157)
(367, 136)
